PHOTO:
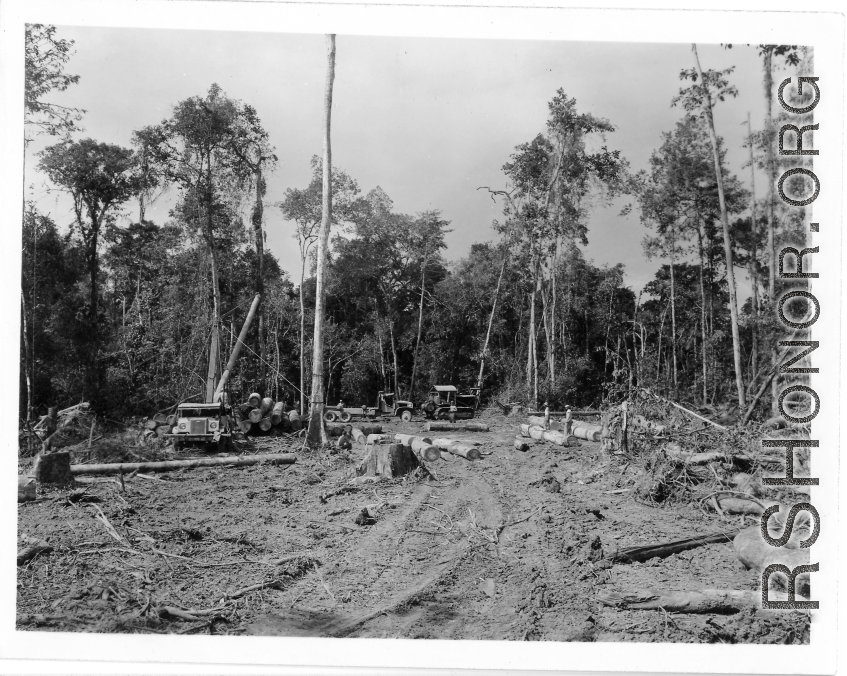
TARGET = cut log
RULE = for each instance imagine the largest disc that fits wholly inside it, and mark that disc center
(266, 405)
(245, 409)
(586, 433)
(294, 419)
(151, 424)
(245, 426)
(26, 488)
(541, 421)
(255, 415)
(423, 448)
(53, 468)
(29, 548)
(558, 438)
(265, 424)
(254, 400)
(703, 601)
(379, 439)
(437, 426)
(533, 432)
(162, 430)
(190, 463)
(664, 549)
(458, 448)
(390, 460)
(522, 444)
(756, 554)
(359, 436)
(278, 412)
(172, 419)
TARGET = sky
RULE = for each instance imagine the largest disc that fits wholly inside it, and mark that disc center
(428, 120)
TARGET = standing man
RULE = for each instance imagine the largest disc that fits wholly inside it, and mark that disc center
(568, 421)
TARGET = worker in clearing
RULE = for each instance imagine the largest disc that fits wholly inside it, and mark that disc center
(546, 416)
(568, 421)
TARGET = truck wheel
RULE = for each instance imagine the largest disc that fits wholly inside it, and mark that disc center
(330, 416)
(406, 416)
(346, 417)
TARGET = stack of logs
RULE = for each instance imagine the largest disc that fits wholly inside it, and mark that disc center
(260, 415)
(543, 429)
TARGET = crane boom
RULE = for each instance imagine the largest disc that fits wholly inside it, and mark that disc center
(237, 349)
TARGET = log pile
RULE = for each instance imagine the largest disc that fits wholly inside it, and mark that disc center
(261, 415)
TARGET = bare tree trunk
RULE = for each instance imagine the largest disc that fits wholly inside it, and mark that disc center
(302, 336)
(727, 241)
(420, 325)
(493, 311)
(551, 369)
(382, 361)
(751, 264)
(700, 236)
(771, 166)
(259, 236)
(394, 356)
(673, 313)
(27, 361)
(317, 428)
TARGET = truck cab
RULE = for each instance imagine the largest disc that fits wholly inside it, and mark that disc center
(202, 423)
(387, 406)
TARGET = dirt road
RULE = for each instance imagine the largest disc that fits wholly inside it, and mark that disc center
(508, 547)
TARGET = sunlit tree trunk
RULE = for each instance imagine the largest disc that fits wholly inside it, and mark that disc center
(491, 318)
(259, 237)
(751, 265)
(302, 334)
(420, 325)
(317, 428)
(700, 236)
(673, 312)
(727, 241)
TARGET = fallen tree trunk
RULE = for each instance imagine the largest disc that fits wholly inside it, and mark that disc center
(379, 439)
(26, 488)
(702, 601)
(756, 554)
(421, 446)
(664, 549)
(540, 421)
(166, 465)
(390, 460)
(586, 433)
(433, 426)
(522, 444)
(458, 448)
(564, 413)
(558, 438)
(532, 431)
(705, 458)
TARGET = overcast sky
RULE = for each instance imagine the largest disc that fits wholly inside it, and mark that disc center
(428, 120)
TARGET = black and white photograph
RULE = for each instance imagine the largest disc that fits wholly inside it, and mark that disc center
(359, 335)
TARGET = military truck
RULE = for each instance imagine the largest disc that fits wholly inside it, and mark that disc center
(385, 407)
(210, 423)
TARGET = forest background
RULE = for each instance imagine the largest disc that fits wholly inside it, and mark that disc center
(137, 238)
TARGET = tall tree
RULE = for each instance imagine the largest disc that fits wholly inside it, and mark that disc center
(425, 239)
(45, 57)
(699, 97)
(317, 428)
(99, 177)
(193, 150)
(304, 207)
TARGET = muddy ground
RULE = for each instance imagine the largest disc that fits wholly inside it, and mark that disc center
(494, 549)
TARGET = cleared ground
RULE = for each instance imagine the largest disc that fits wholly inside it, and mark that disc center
(495, 549)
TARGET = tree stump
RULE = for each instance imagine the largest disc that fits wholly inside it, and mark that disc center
(53, 468)
(390, 460)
